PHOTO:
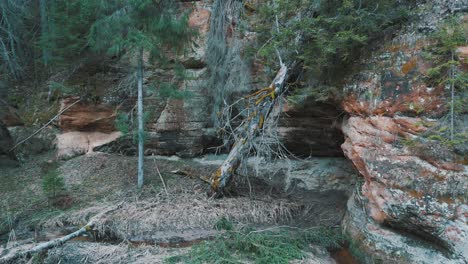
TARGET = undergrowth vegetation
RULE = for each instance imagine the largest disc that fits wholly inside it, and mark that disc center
(325, 36)
(449, 130)
(53, 183)
(272, 245)
(445, 71)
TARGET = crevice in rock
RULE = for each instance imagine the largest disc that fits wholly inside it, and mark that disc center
(415, 233)
(313, 129)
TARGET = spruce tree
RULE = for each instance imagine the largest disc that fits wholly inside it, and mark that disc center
(136, 26)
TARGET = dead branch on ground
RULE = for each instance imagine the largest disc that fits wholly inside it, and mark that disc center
(11, 257)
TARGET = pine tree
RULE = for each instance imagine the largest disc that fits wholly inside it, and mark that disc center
(137, 26)
(12, 34)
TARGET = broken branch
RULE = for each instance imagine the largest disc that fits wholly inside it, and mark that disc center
(44, 126)
(10, 258)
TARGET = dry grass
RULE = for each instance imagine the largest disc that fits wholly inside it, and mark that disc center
(81, 253)
(187, 216)
(99, 181)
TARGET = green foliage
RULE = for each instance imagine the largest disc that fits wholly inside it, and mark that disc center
(33, 109)
(326, 36)
(68, 25)
(450, 35)
(320, 94)
(60, 89)
(122, 123)
(115, 27)
(263, 246)
(445, 72)
(52, 183)
(14, 37)
(140, 24)
(435, 137)
(223, 224)
(409, 142)
(170, 90)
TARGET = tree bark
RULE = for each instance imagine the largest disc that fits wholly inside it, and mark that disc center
(140, 119)
(44, 31)
(452, 103)
(262, 105)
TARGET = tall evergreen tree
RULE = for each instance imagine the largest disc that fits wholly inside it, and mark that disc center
(13, 13)
(136, 26)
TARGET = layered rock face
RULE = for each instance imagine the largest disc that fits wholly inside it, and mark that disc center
(184, 127)
(84, 126)
(412, 205)
(180, 127)
(174, 126)
(312, 129)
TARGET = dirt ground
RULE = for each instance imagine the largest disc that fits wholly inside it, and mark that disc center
(174, 215)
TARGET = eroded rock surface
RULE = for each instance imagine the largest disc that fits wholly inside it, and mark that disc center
(84, 116)
(42, 142)
(84, 126)
(418, 190)
(72, 144)
(312, 130)
(414, 189)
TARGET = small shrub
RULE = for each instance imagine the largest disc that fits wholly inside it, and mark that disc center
(223, 224)
(356, 251)
(409, 142)
(435, 137)
(53, 184)
(122, 123)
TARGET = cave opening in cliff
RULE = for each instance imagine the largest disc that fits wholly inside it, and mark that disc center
(313, 129)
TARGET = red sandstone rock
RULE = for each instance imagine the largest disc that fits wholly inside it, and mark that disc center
(85, 126)
(405, 188)
(411, 185)
(86, 117)
(199, 19)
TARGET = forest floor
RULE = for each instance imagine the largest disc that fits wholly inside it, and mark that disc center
(149, 226)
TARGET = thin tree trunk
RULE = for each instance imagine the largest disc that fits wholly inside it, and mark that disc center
(11, 53)
(44, 31)
(452, 107)
(6, 57)
(140, 119)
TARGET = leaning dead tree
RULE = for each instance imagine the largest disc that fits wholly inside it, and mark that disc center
(261, 108)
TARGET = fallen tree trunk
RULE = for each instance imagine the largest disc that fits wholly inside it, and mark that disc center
(261, 108)
(13, 256)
